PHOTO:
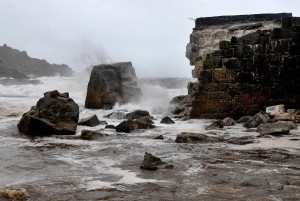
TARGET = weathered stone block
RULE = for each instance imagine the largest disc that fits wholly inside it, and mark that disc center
(212, 62)
(223, 75)
(224, 44)
(234, 41)
(233, 63)
(287, 22)
(249, 39)
(206, 76)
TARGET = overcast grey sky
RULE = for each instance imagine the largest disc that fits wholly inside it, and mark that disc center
(152, 34)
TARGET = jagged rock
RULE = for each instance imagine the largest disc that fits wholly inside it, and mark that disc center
(186, 137)
(54, 114)
(130, 125)
(137, 114)
(110, 127)
(228, 121)
(151, 162)
(19, 65)
(91, 135)
(257, 119)
(115, 115)
(217, 125)
(275, 109)
(167, 120)
(90, 121)
(273, 129)
(257, 181)
(159, 137)
(112, 83)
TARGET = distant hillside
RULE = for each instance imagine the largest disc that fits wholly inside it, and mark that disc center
(17, 64)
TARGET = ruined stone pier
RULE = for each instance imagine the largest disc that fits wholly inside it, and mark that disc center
(244, 63)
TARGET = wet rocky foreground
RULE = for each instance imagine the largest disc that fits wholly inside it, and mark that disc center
(109, 168)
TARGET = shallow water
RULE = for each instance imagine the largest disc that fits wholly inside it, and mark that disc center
(53, 168)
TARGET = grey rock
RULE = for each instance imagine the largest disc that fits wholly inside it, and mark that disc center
(91, 135)
(186, 137)
(273, 129)
(257, 119)
(256, 181)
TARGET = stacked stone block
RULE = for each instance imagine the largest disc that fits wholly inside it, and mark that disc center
(250, 72)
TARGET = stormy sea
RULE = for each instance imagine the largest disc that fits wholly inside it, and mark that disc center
(108, 168)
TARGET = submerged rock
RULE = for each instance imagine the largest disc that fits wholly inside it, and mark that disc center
(110, 126)
(273, 129)
(137, 114)
(167, 120)
(228, 121)
(151, 162)
(54, 114)
(131, 125)
(112, 83)
(92, 135)
(256, 181)
(115, 115)
(217, 125)
(186, 137)
(159, 137)
(90, 121)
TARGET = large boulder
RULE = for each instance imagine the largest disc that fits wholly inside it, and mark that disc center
(54, 114)
(112, 83)
(257, 119)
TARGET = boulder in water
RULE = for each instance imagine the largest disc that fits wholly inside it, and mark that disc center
(273, 129)
(91, 135)
(112, 83)
(257, 119)
(137, 114)
(131, 125)
(257, 181)
(54, 114)
(167, 120)
(151, 162)
(90, 121)
(217, 125)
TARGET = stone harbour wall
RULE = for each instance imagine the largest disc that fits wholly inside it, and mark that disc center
(246, 63)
